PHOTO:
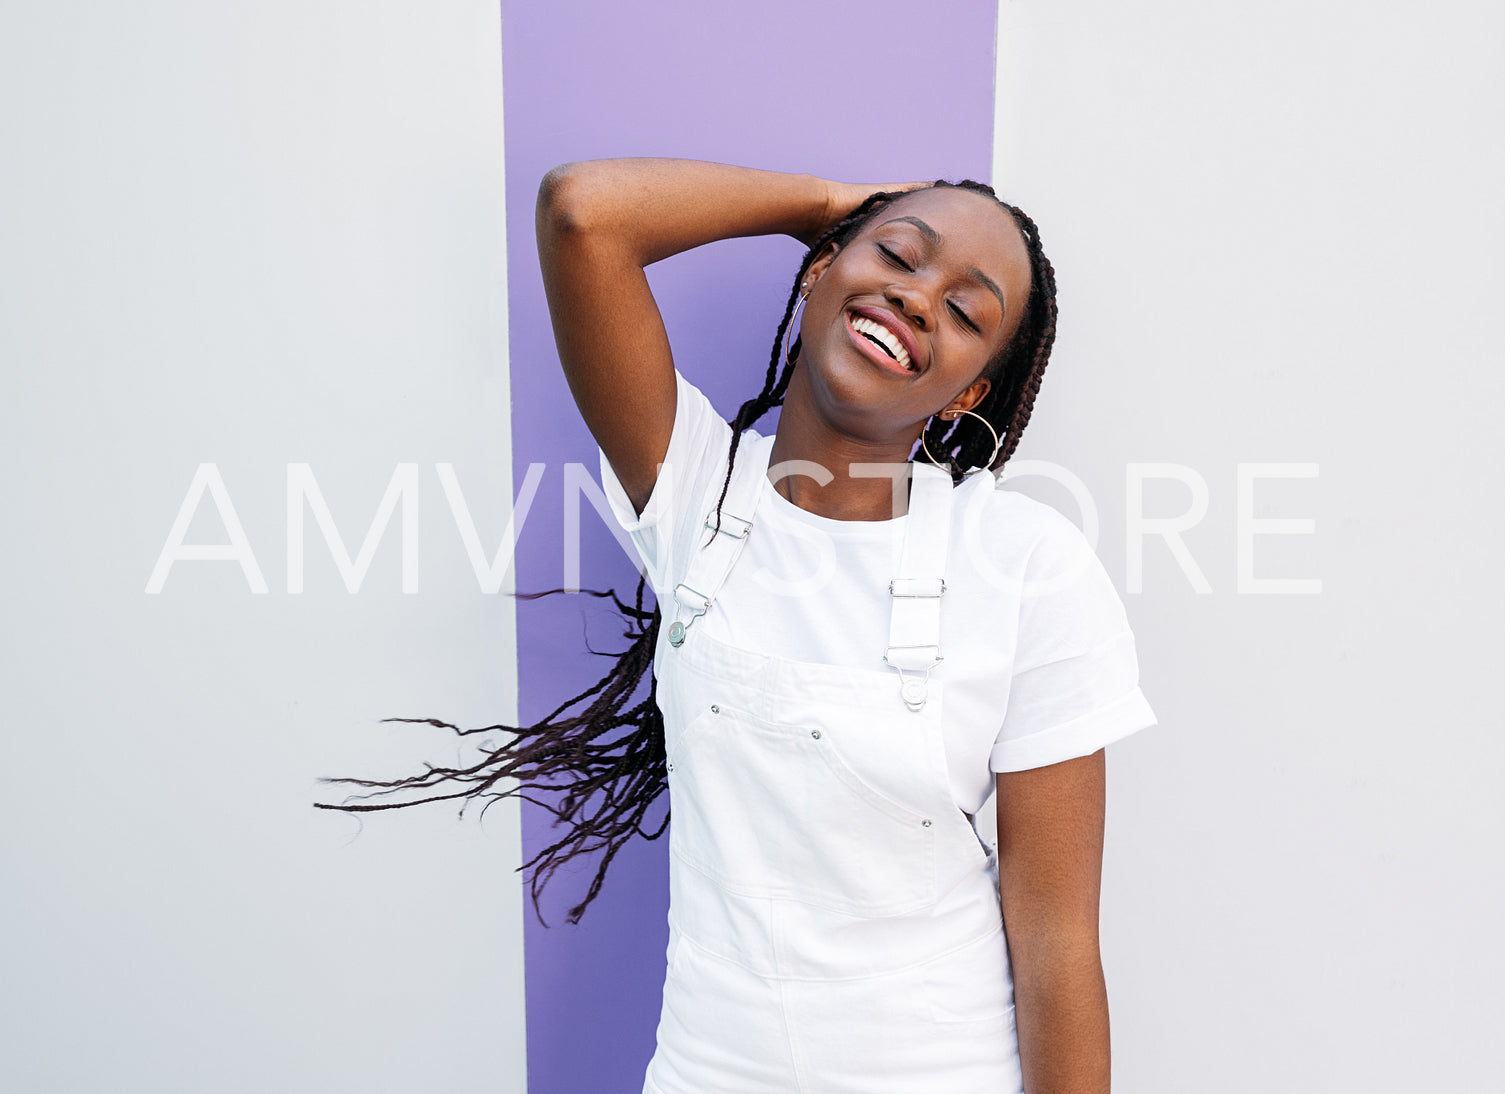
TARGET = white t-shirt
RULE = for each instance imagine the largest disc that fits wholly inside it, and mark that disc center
(1039, 659)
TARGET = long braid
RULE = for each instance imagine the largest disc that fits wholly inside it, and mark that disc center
(776, 383)
(607, 781)
(599, 758)
(1016, 373)
(1042, 312)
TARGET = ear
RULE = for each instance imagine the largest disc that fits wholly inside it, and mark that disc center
(973, 394)
(827, 255)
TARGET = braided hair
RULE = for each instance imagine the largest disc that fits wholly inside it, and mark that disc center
(598, 759)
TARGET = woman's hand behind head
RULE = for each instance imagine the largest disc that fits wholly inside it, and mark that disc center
(843, 197)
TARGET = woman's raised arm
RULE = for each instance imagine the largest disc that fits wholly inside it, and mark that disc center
(599, 224)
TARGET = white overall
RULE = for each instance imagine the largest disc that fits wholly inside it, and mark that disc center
(835, 925)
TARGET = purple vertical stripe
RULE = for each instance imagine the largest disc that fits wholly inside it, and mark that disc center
(876, 91)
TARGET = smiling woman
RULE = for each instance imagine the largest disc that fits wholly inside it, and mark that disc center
(911, 269)
(829, 735)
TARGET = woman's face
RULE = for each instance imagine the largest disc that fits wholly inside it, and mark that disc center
(902, 320)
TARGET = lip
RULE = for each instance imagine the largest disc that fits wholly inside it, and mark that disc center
(900, 330)
(876, 355)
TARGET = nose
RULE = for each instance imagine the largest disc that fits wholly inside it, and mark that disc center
(912, 302)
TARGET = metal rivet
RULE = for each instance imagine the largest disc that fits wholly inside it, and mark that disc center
(671, 768)
(925, 823)
(715, 709)
(815, 733)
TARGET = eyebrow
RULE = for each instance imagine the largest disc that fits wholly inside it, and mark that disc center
(935, 241)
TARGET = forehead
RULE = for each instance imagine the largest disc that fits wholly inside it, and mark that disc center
(974, 229)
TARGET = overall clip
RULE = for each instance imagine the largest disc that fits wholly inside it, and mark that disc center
(912, 689)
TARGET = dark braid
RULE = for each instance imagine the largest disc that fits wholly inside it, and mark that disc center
(609, 780)
(776, 383)
(1016, 373)
(603, 765)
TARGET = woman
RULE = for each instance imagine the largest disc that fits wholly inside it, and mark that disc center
(857, 647)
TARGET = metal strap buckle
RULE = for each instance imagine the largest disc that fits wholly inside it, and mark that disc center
(915, 587)
(936, 659)
(697, 602)
(739, 527)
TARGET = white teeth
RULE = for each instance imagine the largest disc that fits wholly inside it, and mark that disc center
(863, 325)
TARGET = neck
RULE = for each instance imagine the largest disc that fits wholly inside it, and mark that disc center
(869, 480)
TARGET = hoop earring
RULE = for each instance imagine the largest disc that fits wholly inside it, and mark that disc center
(997, 443)
(805, 295)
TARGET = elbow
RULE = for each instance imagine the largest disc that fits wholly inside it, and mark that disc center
(1059, 944)
(563, 207)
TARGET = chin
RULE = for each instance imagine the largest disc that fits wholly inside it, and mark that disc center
(853, 394)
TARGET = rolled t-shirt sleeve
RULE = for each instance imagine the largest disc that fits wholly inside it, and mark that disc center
(1075, 684)
(698, 445)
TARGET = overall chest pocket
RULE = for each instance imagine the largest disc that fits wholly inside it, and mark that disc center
(774, 810)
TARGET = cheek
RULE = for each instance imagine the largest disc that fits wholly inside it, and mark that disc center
(971, 358)
(1003, 347)
(861, 265)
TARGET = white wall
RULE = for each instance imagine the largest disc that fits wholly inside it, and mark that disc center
(249, 235)
(1278, 233)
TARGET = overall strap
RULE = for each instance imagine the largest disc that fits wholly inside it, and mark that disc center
(914, 634)
(715, 552)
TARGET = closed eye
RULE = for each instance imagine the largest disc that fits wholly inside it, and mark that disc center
(894, 258)
(966, 319)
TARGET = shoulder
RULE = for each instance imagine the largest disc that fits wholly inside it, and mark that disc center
(1064, 587)
(694, 464)
(700, 444)
(1017, 532)
(697, 425)
(699, 463)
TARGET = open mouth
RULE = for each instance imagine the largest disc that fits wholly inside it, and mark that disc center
(885, 340)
